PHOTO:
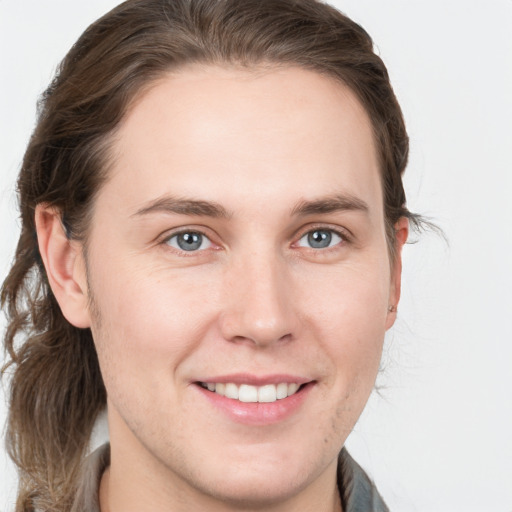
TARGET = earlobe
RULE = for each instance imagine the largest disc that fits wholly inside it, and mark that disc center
(401, 234)
(64, 264)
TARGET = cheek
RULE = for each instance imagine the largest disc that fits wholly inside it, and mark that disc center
(349, 314)
(344, 314)
(148, 323)
(351, 303)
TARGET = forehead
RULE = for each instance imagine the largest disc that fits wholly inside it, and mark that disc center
(229, 133)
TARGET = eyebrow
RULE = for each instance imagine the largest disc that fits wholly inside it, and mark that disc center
(183, 206)
(195, 207)
(330, 204)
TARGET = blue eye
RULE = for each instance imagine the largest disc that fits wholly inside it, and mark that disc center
(189, 241)
(320, 239)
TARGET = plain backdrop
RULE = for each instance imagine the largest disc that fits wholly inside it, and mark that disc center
(438, 435)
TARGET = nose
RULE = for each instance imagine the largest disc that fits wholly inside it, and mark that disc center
(259, 307)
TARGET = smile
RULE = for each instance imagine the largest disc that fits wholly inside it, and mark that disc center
(247, 393)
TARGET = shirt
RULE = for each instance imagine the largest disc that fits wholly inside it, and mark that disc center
(357, 492)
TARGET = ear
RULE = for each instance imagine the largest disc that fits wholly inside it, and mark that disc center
(401, 234)
(64, 264)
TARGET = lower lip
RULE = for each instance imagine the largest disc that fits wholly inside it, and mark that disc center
(258, 413)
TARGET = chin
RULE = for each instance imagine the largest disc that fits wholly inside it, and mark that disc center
(253, 491)
(259, 476)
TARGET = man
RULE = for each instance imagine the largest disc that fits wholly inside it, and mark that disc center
(216, 191)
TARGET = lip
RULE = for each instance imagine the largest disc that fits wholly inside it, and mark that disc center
(256, 380)
(257, 413)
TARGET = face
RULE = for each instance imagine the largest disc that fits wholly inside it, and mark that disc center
(239, 249)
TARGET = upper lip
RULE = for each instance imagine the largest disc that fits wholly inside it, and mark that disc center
(255, 380)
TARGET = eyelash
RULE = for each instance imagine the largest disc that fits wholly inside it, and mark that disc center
(340, 233)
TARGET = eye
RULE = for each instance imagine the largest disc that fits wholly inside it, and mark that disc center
(189, 241)
(320, 239)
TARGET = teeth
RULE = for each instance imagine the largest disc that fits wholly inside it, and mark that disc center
(267, 393)
(231, 391)
(282, 390)
(246, 393)
(292, 389)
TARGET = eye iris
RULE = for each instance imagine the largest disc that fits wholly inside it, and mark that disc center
(189, 241)
(319, 239)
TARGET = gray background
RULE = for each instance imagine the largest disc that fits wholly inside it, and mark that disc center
(439, 436)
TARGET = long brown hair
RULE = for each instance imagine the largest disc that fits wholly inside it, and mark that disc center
(56, 389)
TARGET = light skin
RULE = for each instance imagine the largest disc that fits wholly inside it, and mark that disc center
(274, 173)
